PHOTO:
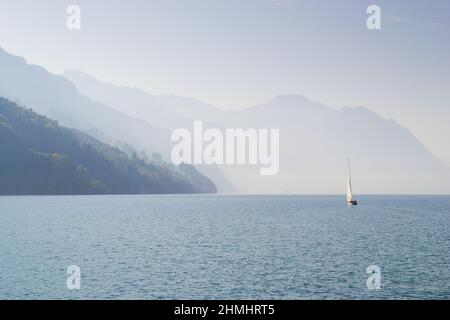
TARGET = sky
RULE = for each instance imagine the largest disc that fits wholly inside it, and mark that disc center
(239, 53)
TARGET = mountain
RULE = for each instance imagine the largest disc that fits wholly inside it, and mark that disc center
(38, 156)
(165, 111)
(57, 98)
(128, 100)
(315, 141)
(191, 108)
(135, 121)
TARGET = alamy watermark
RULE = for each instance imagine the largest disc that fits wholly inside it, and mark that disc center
(374, 280)
(74, 17)
(73, 281)
(231, 146)
(373, 22)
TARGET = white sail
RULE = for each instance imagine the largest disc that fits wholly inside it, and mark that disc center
(349, 184)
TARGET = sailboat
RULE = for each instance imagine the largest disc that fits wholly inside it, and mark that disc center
(350, 200)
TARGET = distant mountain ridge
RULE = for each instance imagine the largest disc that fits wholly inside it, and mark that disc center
(167, 112)
(40, 157)
(127, 100)
(315, 140)
(58, 99)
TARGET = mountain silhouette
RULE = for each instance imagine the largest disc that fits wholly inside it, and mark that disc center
(315, 140)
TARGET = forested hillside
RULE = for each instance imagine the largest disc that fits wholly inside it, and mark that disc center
(38, 156)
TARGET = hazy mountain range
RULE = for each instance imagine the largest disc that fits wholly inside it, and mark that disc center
(58, 99)
(165, 113)
(315, 140)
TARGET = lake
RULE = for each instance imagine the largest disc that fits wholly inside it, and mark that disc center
(224, 247)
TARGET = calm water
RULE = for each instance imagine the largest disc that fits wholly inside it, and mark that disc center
(224, 247)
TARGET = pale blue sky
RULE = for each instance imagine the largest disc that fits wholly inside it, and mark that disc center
(237, 53)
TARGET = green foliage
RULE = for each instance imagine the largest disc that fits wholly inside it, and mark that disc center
(37, 156)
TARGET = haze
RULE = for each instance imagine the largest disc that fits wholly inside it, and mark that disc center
(235, 54)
